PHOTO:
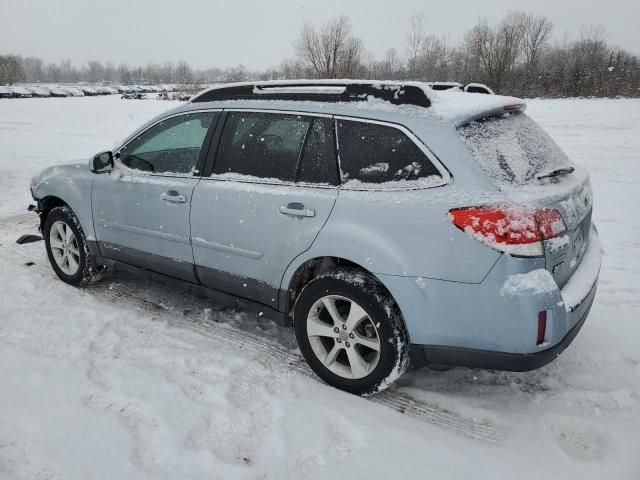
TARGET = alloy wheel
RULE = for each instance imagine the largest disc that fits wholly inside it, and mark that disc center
(343, 337)
(64, 248)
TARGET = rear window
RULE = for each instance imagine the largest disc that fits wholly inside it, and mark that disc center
(512, 148)
(377, 154)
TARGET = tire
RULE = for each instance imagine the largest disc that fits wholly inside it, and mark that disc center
(79, 268)
(345, 317)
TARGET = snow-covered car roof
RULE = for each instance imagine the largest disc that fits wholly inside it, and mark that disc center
(40, 91)
(452, 105)
(57, 90)
(20, 90)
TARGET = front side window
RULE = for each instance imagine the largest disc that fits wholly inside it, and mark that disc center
(263, 145)
(171, 146)
(376, 154)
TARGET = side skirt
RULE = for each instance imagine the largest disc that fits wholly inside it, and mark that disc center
(217, 296)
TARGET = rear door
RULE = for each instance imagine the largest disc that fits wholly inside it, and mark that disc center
(141, 209)
(273, 186)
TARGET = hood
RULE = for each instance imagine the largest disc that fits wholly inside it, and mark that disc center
(68, 170)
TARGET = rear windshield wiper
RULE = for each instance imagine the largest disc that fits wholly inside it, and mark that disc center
(556, 172)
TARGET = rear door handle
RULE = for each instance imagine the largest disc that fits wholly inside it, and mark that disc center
(173, 196)
(297, 210)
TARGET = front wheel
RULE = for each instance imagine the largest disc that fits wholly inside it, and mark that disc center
(67, 247)
(350, 331)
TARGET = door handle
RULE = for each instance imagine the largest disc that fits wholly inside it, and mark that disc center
(297, 210)
(173, 196)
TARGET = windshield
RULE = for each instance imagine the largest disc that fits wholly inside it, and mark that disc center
(512, 148)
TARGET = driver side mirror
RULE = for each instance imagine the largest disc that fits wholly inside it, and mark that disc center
(102, 162)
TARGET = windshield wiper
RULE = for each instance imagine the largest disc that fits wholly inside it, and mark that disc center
(556, 172)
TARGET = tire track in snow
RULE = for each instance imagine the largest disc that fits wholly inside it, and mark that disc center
(402, 403)
(197, 321)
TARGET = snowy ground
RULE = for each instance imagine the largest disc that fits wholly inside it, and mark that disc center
(132, 380)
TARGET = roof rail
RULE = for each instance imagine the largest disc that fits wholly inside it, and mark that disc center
(395, 93)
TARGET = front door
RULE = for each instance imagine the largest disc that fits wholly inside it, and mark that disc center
(273, 187)
(141, 209)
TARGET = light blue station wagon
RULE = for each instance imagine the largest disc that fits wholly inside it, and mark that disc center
(382, 220)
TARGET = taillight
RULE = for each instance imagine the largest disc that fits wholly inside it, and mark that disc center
(542, 327)
(515, 230)
(514, 107)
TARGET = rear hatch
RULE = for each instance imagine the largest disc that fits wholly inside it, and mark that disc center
(532, 170)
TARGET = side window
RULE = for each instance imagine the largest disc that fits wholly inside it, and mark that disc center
(319, 163)
(265, 145)
(371, 153)
(171, 146)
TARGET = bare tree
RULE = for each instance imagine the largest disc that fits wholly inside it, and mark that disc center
(125, 73)
(11, 70)
(33, 69)
(416, 39)
(332, 51)
(535, 35)
(183, 73)
(95, 72)
(497, 49)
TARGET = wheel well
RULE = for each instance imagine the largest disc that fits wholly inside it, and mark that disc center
(311, 269)
(46, 205)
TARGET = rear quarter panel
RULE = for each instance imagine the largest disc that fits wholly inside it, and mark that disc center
(408, 232)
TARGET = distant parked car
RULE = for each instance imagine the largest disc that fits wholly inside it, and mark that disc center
(57, 92)
(478, 88)
(445, 85)
(371, 230)
(470, 88)
(20, 92)
(106, 90)
(5, 92)
(88, 91)
(39, 92)
(73, 91)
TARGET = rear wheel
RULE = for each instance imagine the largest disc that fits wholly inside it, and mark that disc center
(67, 247)
(350, 331)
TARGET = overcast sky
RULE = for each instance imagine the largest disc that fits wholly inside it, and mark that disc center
(258, 34)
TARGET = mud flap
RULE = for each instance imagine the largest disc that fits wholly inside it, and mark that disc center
(28, 239)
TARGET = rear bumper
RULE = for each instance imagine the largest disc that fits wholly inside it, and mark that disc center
(484, 325)
(514, 362)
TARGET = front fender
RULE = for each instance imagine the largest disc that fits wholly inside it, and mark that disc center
(71, 184)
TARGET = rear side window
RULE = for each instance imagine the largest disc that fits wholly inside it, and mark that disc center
(512, 148)
(264, 145)
(319, 163)
(377, 154)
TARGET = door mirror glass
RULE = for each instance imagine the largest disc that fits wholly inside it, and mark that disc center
(102, 162)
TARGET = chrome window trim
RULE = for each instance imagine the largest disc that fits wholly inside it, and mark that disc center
(444, 173)
(178, 114)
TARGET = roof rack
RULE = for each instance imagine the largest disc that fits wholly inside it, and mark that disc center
(395, 93)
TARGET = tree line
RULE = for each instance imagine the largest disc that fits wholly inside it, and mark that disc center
(518, 55)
